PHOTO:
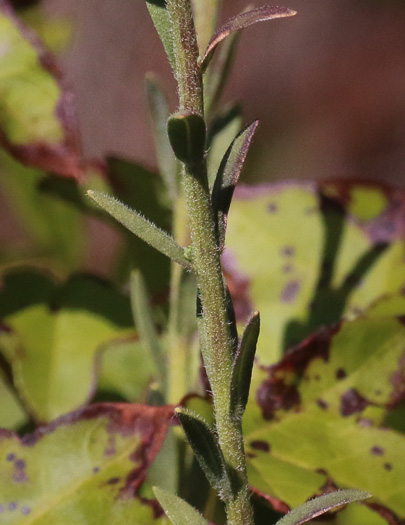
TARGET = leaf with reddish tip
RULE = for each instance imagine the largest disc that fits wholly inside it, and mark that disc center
(246, 19)
(228, 177)
(88, 465)
(37, 116)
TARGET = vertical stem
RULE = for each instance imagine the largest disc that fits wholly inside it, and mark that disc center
(207, 265)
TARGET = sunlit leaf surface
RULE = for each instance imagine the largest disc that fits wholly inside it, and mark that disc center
(84, 468)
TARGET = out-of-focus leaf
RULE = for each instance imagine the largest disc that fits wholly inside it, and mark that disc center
(37, 121)
(141, 227)
(55, 334)
(245, 19)
(205, 19)
(148, 333)
(159, 112)
(51, 230)
(228, 177)
(160, 16)
(315, 418)
(318, 506)
(127, 369)
(144, 191)
(177, 509)
(84, 467)
(307, 254)
(12, 414)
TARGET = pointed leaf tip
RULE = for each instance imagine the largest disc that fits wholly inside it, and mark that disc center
(246, 19)
(318, 506)
(177, 509)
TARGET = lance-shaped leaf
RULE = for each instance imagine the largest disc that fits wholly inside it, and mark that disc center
(246, 19)
(141, 227)
(318, 506)
(205, 19)
(86, 466)
(243, 364)
(187, 135)
(37, 117)
(177, 509)
(159, 113)
(160, 16)
(206, 449)
(228, 176)
(144, 321)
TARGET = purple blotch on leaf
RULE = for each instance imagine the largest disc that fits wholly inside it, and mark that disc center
(290, 292)
(1, 508)
(12, 506)
(260, 445)
(10, 457)
(96, 469)
(377, 451)
(388, 466)
(322, 404)
(352, 402)
(113, 481)
(287, 251)
(340, 373)
(272, 207)
(25, 510)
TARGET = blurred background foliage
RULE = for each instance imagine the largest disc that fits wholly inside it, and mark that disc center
(328, 87)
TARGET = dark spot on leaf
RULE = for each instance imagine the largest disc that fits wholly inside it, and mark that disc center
(20, 464)
(30, 440)
(378, 392)
(388, 466)
(321, 471)
(96, 469)
(317, 377)
(1, 508)
(322, 404)
(25, 510)
(288, 268)
(250, 455)
(377, 451)
(287, 251)
(113, 481)
(10, 457)
(260, 445)
(352, 402)
(272, 207)
(12, 505)
(273, 395)
(290, 292)
(340, 373)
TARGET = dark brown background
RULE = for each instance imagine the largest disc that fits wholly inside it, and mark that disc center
(327, 85)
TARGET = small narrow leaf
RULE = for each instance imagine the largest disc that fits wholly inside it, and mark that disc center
(187, 135)
(228, 176)
(243, 364)
(159, 113)
(144, 323)
(177, 510)
(141, 227)
(315, 507)
(246, 19)
(160, 16)
(206, 449)
(205, 19)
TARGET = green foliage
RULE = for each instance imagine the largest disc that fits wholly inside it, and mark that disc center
(102, 366)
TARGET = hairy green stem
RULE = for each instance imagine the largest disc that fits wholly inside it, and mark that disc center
(218, 344)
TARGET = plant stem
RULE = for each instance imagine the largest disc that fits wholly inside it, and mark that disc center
(218, 344)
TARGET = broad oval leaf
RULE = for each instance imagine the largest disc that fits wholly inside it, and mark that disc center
(37, 117)
(317, 417)
(53, 335)
(84, 467)
(245, 19)
(307, 254)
